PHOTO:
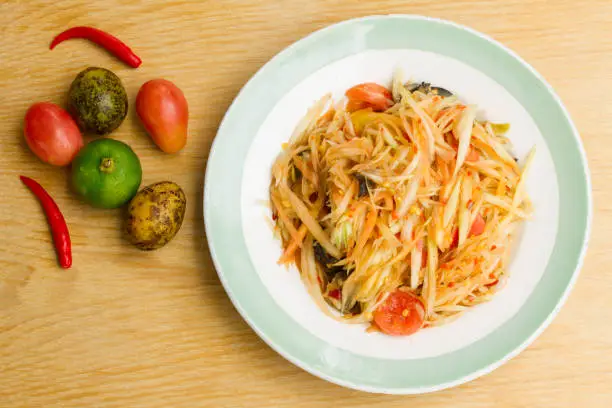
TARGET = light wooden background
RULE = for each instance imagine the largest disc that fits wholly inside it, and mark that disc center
(124, 328)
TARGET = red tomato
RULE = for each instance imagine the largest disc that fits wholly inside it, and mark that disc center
(374, 95)
(472, 154)
(401, 314)
(162, 109)
(52, 134)
(478, 226)
(354, 105)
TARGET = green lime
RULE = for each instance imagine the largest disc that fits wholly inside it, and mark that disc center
(106, 173)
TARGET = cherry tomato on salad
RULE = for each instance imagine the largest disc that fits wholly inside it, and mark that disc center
(52, 134)
(472, 154)
(401, 314)
(162, 109)
(370, 94)
(478, 226)
(354, 105)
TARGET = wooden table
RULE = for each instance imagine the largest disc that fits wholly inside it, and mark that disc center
(124, 328)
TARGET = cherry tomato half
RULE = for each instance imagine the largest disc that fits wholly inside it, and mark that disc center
(52, 134)
(478, 226)
(401, 314)
(353, 105)
(370, 94)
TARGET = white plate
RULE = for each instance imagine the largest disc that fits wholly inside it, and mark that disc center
(480, 71)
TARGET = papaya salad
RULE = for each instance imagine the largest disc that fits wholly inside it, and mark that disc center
(398, 206)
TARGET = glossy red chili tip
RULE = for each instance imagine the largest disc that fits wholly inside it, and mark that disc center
(59, 229)
(103, 39)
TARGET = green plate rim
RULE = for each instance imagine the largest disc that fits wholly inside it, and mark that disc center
(223, 222)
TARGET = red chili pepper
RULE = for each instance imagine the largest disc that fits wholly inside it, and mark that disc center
(111, 43)
(59, 229)
(495, 282)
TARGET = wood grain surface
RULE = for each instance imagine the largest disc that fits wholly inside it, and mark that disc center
(124, 328)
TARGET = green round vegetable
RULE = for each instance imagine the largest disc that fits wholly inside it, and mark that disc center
(98, 100)
(106, 173)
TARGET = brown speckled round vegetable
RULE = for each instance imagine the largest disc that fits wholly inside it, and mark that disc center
(155, 215)
(98, 100)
